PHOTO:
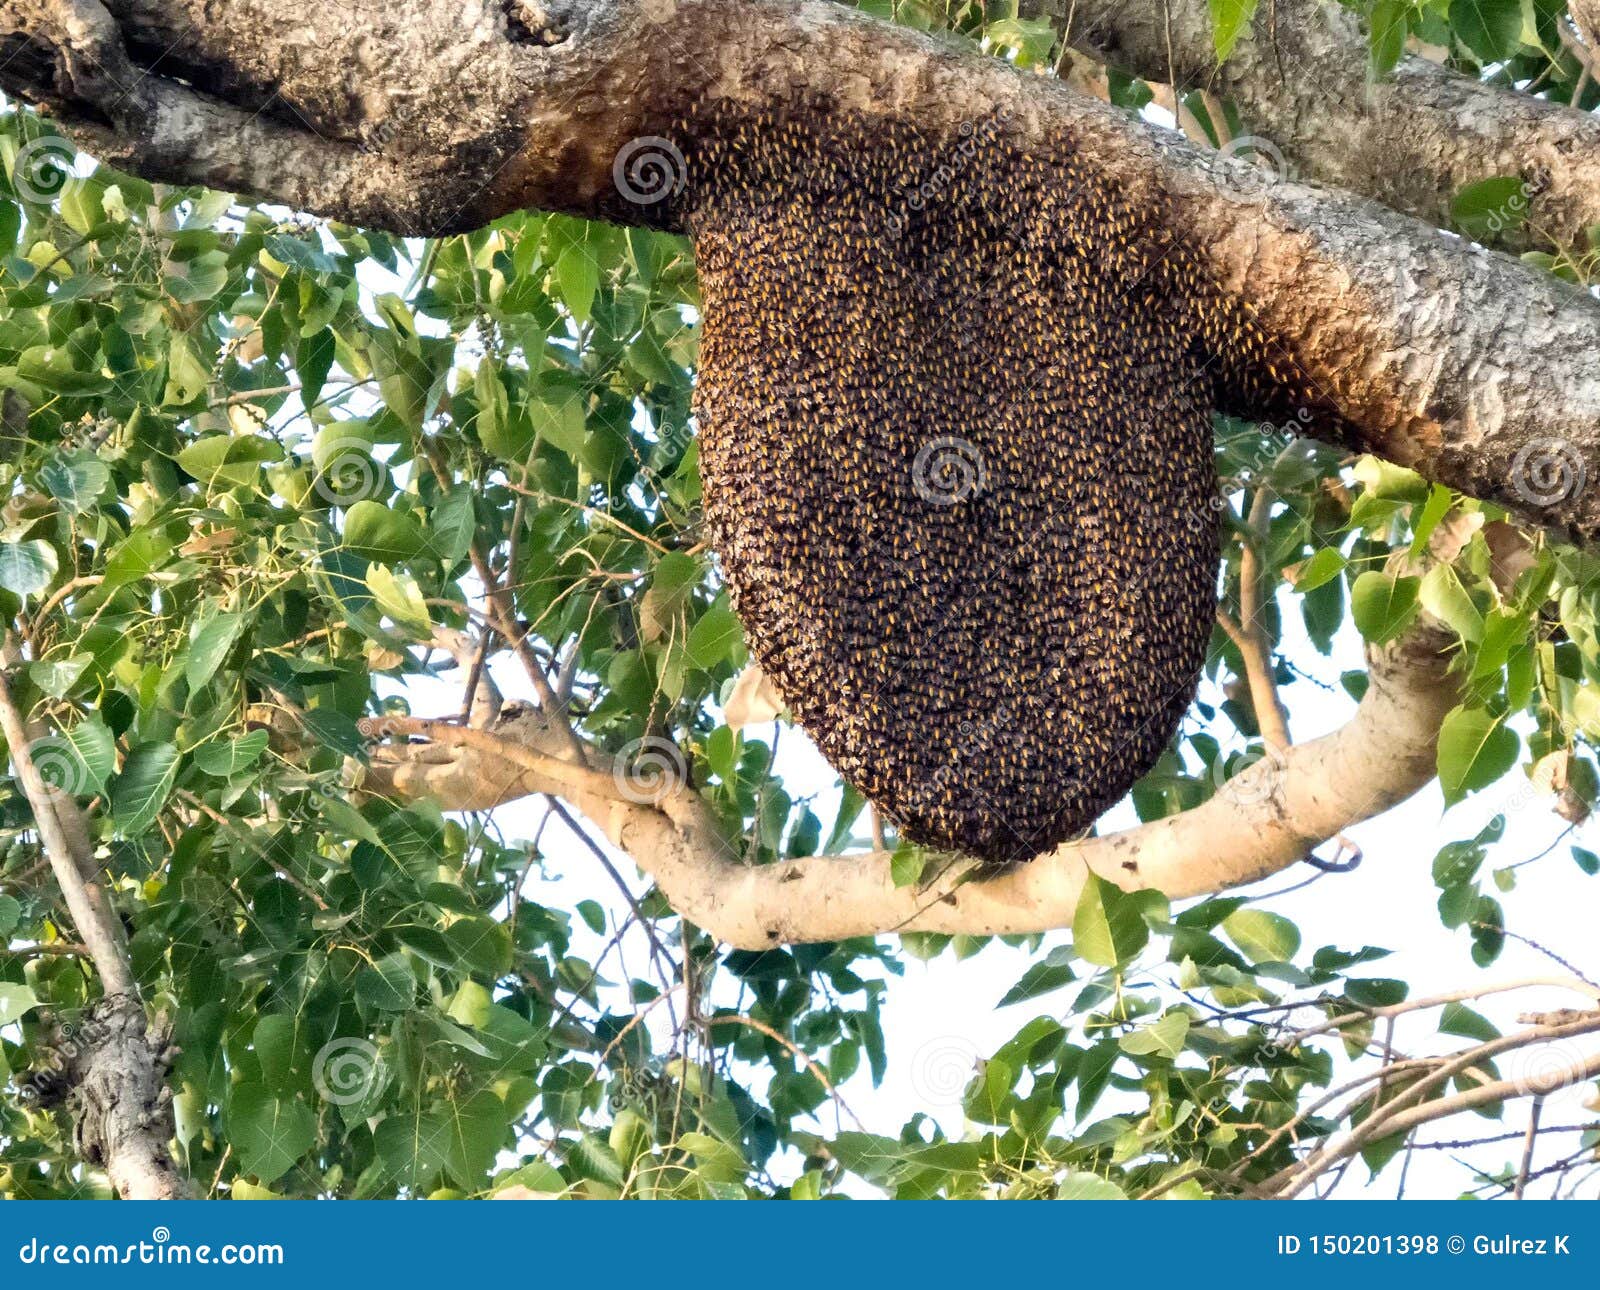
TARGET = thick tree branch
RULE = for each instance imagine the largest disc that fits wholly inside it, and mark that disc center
(1301, 76)
(113, 1064)
(1264, 820)
(436, 115)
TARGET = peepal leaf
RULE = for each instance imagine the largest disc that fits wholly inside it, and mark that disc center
(140, 790)
(27, 567)
(1475, 749)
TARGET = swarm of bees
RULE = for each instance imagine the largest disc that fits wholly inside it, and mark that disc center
(957, 458)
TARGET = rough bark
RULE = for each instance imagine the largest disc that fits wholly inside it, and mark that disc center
(434, 115)
(111, 1070)
(1300, 75)
(1262, 821)
(111, 1066)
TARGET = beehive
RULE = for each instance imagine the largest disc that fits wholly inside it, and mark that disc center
(956, 449)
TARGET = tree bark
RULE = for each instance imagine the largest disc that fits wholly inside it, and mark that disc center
(112, 1065)
(1263, 820)
(1300, 75)
(427, 116)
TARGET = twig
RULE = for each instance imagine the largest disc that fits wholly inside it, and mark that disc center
(1527, 1147)
(762, 1027)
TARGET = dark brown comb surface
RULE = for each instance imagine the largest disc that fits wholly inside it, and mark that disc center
(957, 462)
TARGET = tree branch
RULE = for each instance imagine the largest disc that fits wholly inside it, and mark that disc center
(435, 115)
(113, 1064)
(1264, 820)
(1301, 75)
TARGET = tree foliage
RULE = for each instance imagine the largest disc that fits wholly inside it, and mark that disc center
(260, 473)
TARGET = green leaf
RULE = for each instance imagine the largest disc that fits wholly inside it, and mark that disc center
(473, 1131)
(1229, 18)
(376, 533)
(78, 761)
(140, 790)
(1108, 927)
(16, 1001)
(1326, 565)
(75, 482)
(213, 637)
(1264, 937)
(399, 596)
(1491, 207)
(987, 1099)
(229, 758)
(1491, 29)
(411, 1148)
(313, 359)
(386, 986)
(1387, 36)
(1164, 1038)
(276, 1043)
(1054, 972)
(506, 432)
(578, 276)
(1076, 1185)
(1458, 1019)
(228, 461)
(268, 1133)
(714, 637)
(451, 526)
(56, 677)
(1475, 749)
(1383, 606)
(27, 567)
(906, 864)
(1094, 1073)
(10, 915)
